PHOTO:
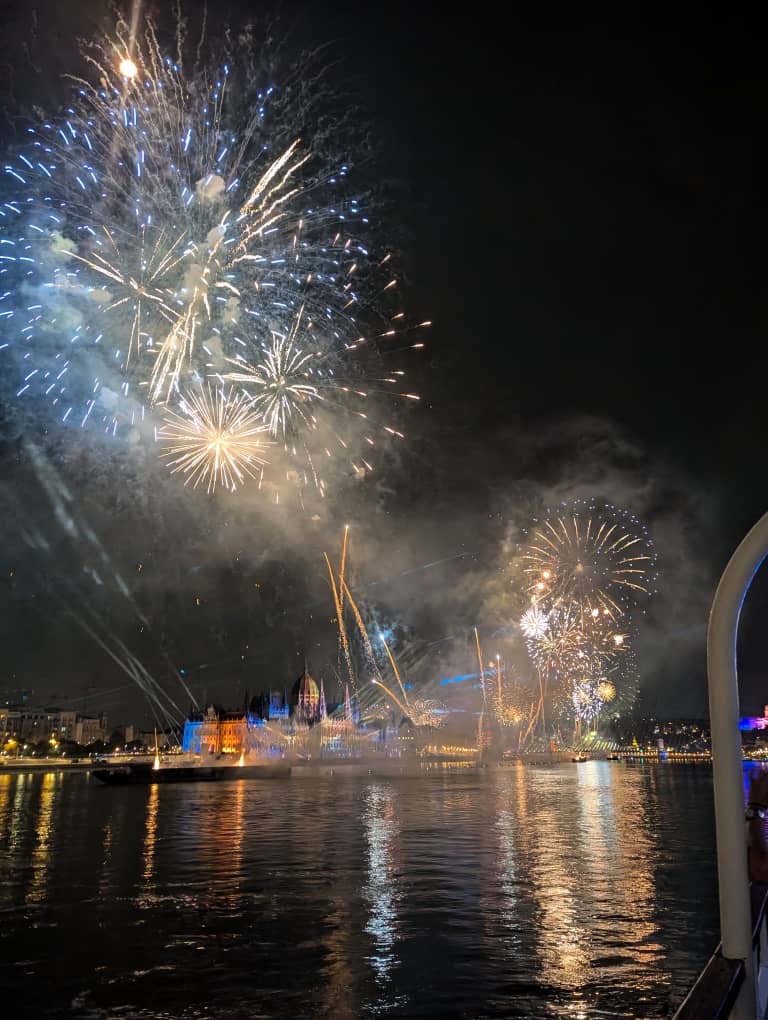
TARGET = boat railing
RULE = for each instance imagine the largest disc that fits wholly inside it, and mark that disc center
(715, 994)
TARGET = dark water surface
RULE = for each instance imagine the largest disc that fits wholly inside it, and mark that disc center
(533, 891)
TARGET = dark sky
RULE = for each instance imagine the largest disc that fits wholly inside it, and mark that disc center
(575, 207)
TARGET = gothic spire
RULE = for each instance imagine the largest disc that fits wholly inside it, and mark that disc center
(347, 704)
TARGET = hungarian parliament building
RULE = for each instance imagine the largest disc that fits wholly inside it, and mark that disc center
(273, 722)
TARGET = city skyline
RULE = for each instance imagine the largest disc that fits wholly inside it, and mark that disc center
(497, 437)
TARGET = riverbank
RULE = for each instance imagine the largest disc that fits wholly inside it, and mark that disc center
(349, 767)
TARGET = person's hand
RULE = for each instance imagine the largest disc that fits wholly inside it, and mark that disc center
(758, 789)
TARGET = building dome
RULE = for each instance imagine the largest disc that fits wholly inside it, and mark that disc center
(306, 697)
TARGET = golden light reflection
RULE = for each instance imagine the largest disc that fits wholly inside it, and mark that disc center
(18, 811)
(562, 937)
(235, 850)
(150, 839)
(41, 855)
(573, 864)
(106, 862)
(6, 788)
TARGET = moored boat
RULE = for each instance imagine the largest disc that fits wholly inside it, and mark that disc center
(145, 773)
(188, 769)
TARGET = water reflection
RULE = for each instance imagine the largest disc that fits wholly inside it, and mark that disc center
(562, 937)
(150, 840)
(576, 851)
(380, 889)
(105, 872)
(41, 854)
(527, 892)
(19, 814)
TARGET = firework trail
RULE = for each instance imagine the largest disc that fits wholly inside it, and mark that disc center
(369, 654)
(421, 711)
(63, 530)
(480, 666)
(175, 226)
(340, 622)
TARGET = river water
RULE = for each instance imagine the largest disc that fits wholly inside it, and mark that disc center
(557, 891)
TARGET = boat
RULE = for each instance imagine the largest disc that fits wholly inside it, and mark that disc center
(613, 757)
(145, 773)
(579, 758)
(187, 769)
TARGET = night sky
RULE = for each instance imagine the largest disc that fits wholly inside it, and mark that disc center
(574, 204)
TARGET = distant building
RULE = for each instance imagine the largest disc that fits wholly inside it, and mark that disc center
(273, 705)
(39, 724)
(46, 725)
(34, 725)
(306, 698)
(89, 729)
(267, 719)
(216, 731)
(10, 724)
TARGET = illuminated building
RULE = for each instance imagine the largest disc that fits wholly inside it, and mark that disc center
(270, 706)
(37, 725)
(758, 722)
(220, 731)
(216, 731)
(89, 729)
(338, 731)
(306, 696)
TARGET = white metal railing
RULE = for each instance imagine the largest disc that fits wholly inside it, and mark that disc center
(727, 768)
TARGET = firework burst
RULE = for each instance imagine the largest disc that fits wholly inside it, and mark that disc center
(534, 623)
(216, 439)
(594, 558)
(173, 223)
(279, 384)
(606, 689)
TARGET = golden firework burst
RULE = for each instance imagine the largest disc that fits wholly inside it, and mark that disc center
(216, 439)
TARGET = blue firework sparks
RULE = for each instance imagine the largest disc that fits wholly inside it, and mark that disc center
(155, 235)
